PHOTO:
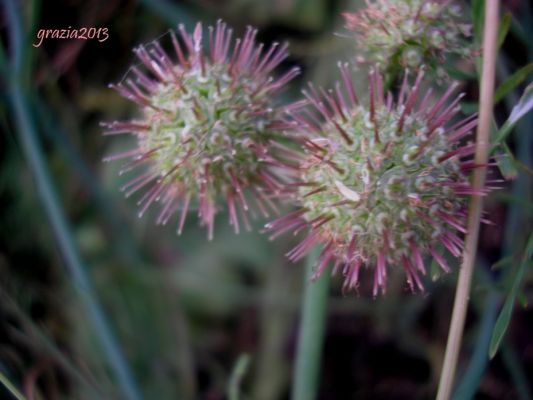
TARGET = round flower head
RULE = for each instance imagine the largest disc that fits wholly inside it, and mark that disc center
(207, 127)
(396, 34)
(381, 185)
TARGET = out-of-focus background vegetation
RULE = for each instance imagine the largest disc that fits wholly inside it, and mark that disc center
(188, 312)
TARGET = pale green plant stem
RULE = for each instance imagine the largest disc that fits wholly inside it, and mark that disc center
(237, 376)
(28, 136)
(11, 388)
(70, 254)
(486, 94)
(311, 333)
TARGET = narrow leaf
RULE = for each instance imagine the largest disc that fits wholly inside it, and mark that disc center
(524, 105)
(501, 262)
(469, 107)
(239, 370)
(529, 248)
(507, 163)
(502, 323)
(522, 300)
(512, 82)
(478, 7)
(434, 271)
(460, 74)
(11, 388)
(505, 24)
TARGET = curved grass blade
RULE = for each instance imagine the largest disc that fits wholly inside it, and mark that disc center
(502, 323)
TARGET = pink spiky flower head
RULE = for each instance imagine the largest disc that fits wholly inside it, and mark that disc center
(398, 34)
(207, 125)
(381, 185)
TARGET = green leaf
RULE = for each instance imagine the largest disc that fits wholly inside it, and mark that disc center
(469, 107)
(501, 262)
(522, 32)
(524, 167)
(522, 300)
(529, 248)
(502, 323)
(512, 82)
(11, 388)
(505, 24)
(478, 12)
(459, 74)
(237, 376)
(524, 105)
(435, 271)
(507, 163)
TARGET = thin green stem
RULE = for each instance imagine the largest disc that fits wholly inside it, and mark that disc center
(453, 346)
(124, 244)
(237, 375)
(28, 136)
(478, 362)
(48, 196)
(311, 335)
(515, 216)
(38, 339)
(11, 388)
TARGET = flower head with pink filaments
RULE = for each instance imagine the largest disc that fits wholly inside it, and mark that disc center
(397, 34)
(380, 185)
(209, 128)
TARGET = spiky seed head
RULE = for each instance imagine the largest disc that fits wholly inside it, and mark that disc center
(410, 33)
(381, 184)
(208, 126)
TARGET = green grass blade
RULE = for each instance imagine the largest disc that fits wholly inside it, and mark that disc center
(506, 163)
(62, 232)
(505, 24)
(237, 376)
(512, 82)
(524, 105)
(11, 388)
(311, 336)
(478, 362)
(502, 323)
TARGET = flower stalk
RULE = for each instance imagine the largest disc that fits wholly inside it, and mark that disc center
(490, 48)
(29, 141)
(63, 235)
(311, 333)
